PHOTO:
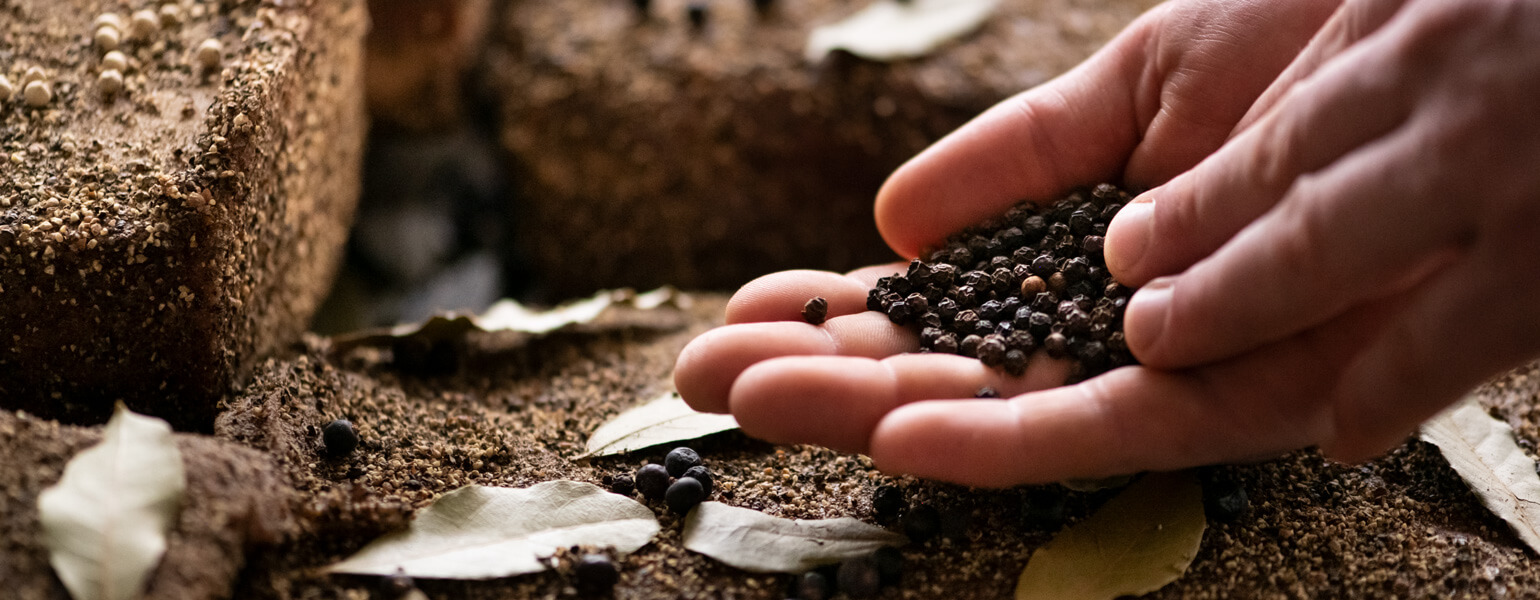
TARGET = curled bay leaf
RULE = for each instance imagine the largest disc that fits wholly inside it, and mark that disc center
(899, 29)
(1136, 543)
(479, 532)
(511, 315)
(105, 523)
(1483, 451)
(754, 541)
(662, 420)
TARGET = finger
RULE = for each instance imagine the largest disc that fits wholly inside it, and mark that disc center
(1450, 339)
(1033, 146)
(780, 296)
(837, 401)
(1352, 21)
(1345, 105)
(1134, 418)
(1341, 237)
(706, 367)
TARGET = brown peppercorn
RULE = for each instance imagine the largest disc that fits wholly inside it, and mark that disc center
(1033, 286)
(816, 310)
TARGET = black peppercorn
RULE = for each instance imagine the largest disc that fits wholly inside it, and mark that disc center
(860, 578)
(815, 310)
(339, 437)
(887, 502)
(703, 475)
(946, 343)
(680, 460)
(992, 351)
(652, 481)
(1043, 266)
(812, 585)
(922, 523)
(623, 485)
(1015, 363)
(685, 493)
(594, 574)
(1093, 244)
(1056, 344)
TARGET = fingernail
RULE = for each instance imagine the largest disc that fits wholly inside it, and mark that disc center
(1128, 236)
(1145, 318)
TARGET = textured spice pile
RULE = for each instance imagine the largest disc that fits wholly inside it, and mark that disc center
(1034, 278)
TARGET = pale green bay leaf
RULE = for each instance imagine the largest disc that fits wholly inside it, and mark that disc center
(105, 522)
(1136, 543)
(895, 30)
(1484, 452)
(662, 420)
(754, 541)
(479, 532)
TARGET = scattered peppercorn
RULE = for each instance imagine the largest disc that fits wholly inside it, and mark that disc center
(110, 82)
(890, 565)
(888, 502)
(115, 61)
(684, 494)
(703, 475)
(1035, 278)
(210, 53)
(37, 94)
(623, 485)
(594, 574)
(816, 310)
(812, 585)
(697, 13)
(143, 24)
(397, 585)
(339, 437)
(922, 523)
(860, 578)
(652, 481)
(680, 460)
(1225, 500)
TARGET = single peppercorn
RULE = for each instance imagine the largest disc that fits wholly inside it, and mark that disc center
(339, 437)
(623, 485)
(703, 475)
(595, 574)
(812, 585)
(680, 460)
(887, 502)
(652, 481)
(815, 310)
(685, 493)
(922, 523)
(860, 578)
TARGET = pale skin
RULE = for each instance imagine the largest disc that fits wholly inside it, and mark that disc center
(1341, 235)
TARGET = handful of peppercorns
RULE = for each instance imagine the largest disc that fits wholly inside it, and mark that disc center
(1034, 278)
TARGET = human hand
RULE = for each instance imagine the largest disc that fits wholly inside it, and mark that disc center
(1164, 94)
(1374, 221)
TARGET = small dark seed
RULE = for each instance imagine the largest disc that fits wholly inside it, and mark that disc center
(703, 475)
(1033, 286)
(815, 310)
(970, 346)
(680, 460)
(887, 502)
(339, 437)
(860, 578)
(652, 481)
(595, 574)
(623, 485)
(812, 585)
(1056, 344)
(686, 493)
(1016, 363)
(1043, 266)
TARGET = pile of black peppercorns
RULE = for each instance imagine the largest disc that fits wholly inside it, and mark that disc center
(681, 482)
(1032, 279)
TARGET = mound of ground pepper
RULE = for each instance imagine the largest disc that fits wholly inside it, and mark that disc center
(1035, 278)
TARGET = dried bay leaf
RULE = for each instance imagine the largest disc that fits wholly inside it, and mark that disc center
(1136, 543)
(662, 420)
(899, 29)
(479, 532)
(754, 541)
(105, 522)
(1485, 454)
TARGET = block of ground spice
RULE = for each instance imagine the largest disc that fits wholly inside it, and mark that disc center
(1032, 279)
(706, 155)
(174, 205)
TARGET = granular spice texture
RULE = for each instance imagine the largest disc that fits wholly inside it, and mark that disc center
(155, 242)
(1032, 279)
